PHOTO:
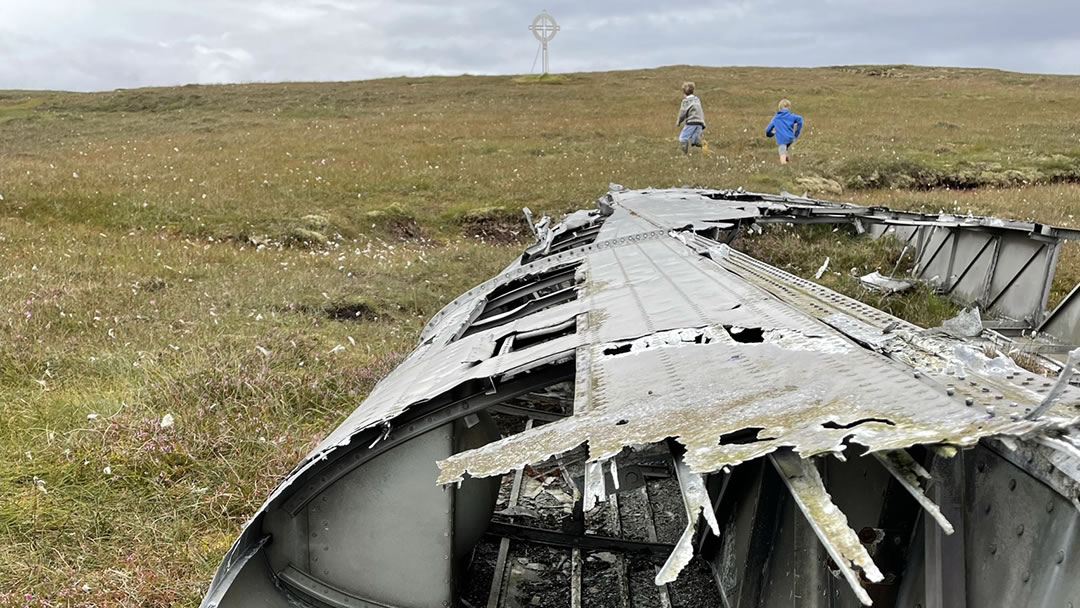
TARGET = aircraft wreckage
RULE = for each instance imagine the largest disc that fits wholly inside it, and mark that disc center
(634, 413)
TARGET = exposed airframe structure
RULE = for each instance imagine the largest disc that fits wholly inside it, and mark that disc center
(562, 429)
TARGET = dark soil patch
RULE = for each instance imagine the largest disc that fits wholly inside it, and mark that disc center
(396, 221)
(355, 310)
(404, 228)
(495, 225)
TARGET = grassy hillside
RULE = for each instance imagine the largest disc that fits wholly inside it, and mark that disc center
(248, 260)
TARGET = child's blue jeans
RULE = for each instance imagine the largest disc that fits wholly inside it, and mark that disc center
(690, 133)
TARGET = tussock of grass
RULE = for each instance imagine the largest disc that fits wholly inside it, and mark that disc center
(817, 185)
(304, 237)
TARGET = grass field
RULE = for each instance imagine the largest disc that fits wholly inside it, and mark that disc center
(246, 261)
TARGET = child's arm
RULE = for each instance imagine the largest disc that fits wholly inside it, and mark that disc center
(683, 110)
(769, 129)
(798, 125)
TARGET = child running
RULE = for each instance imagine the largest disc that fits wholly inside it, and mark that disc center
(787, 126)
(691, 113)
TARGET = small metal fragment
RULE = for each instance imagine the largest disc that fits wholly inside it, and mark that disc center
(1059, 386)
(595, 488)
(696, 499)
(907, 471)
(828, 522)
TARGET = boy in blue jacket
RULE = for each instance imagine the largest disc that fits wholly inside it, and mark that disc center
(787, 126)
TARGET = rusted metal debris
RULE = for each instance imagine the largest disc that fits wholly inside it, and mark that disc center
(632, 356)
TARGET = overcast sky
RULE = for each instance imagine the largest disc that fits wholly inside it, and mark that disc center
(106, 44)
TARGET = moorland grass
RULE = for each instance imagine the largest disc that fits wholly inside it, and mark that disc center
(250, 259)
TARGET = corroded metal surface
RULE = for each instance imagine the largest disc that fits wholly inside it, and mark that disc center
(828, 522)
(804, 383)
(909, 472)
(698, 505)
(674, 338)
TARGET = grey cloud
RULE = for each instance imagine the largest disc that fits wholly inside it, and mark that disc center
(74, 44)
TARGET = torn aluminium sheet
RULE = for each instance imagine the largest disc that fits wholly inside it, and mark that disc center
(812, 399)
(699, 384)
(667, 335)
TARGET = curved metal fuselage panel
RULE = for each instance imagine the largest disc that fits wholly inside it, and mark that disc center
(631, 353)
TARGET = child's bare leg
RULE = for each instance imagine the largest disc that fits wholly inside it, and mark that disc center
(783, 154)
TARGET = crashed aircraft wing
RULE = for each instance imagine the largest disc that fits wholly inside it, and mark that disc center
(562, 429)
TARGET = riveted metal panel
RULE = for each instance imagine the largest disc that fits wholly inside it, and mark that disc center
(1022, 539)
(383, 531)
(253, 586)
